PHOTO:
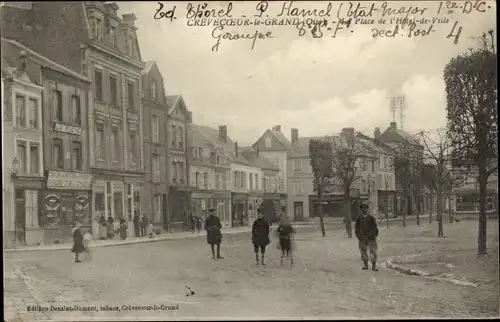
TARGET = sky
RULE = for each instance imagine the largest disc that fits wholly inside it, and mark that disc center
(318, 86)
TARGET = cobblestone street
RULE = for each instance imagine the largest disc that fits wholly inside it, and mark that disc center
(326, 280)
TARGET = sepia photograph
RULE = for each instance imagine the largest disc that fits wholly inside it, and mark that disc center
(249, 160)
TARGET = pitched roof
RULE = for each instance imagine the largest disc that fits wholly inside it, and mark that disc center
(228, 147)
(263, 163)
(301, 147)
(402, 134)
(147, 67)
(377, 145)
(172, 101)
(282, 138)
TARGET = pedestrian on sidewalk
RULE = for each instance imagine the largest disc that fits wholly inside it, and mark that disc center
(137, 226)
(192, 222)
(150, 229)
(285, 232)
(111, 227)
(213, 227)
(260, 236)
(198, 223)
(87, 238)
(367, 232)
(144, 224)
(102, 228)
(123, 228)
(78, 246)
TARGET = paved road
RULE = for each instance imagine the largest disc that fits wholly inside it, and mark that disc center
(326, 281)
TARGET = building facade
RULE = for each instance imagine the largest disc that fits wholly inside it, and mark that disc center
(274, 146)
(209, 177)
(155, 111)
(179, 194)
(22, 141)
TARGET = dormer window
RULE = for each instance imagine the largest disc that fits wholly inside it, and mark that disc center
(153, 90)
(96, 27)
(112, 36)
(131, 46)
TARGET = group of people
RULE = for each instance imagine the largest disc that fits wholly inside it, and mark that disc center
(260, 236)
(107, 229)
(366, 231)
(196, 223)
(142, 226)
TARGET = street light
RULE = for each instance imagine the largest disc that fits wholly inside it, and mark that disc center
(15, 167)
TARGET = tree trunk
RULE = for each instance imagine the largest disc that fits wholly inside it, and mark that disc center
(481, 239)
(439, 201)
(405, 208)
(418, 210)
(430, 209)
(348, 216)
(450, 209)
(320, 210)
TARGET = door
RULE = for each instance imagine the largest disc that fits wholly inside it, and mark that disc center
(165, 212)
(298, 212)
(20, 221)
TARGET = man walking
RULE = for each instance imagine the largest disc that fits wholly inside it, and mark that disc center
(214, 236)
(136, 224)
(367, 232)
(260, 236)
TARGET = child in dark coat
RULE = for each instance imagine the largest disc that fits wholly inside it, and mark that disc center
(260, 236)
(285, 233)
(78, 246)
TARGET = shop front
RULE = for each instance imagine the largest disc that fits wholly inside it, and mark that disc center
(202, 202)
(64, 200)
(467, 200)
(239, 209)
(179, 207)
(117, 198)
(334, 206)
(386, 203)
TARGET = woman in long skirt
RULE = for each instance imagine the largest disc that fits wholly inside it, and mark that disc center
(111, 227)
(123, 229)
(78, 246)
(103, 231)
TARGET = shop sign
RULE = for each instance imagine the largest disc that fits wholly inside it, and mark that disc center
(69, 180)
(65, 128)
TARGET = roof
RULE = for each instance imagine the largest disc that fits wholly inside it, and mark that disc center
(404, 135)
(147, 67)
(301, 147)
(377, 145)
(263, 163)
(212, 135)
(282, 138)
(44, 61)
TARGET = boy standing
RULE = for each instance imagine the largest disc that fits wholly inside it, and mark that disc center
(260, 236)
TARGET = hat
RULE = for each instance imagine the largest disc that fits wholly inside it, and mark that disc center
(211, 210)
(363, 206)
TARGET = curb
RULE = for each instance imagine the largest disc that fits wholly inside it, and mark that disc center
(416, 272)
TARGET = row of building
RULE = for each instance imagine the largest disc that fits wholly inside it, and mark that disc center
(89, 131)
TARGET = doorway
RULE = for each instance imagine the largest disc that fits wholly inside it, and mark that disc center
(20, 219)
(298, 211)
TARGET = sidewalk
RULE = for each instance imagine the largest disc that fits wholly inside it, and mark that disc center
(181, 235)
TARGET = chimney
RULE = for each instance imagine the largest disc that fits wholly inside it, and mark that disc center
(129, 19)
(376, 133)
(295, 135)
(236, 148)
(393, 125)
(277, 128)
(348, 134)
(223, 133)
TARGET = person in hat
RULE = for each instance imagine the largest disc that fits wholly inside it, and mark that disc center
(78, 246)
(260, 236)
(214, 235)
(367, 232)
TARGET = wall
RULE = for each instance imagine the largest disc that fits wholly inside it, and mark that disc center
(247, 170)
(304, 177)
(283, 165)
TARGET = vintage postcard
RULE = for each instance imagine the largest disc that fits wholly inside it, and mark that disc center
(249, 160)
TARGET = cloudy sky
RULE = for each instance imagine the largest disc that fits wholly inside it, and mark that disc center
(315, 85)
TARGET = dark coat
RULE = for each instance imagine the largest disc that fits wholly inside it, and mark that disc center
(213, 227)
(144, 221)
(366, 228)
(260, 232)
(78, 246)
(285, 231)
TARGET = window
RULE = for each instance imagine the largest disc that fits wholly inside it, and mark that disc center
(131, 96)
(76, 111)
(156, 167)
(297, 165)
(115, 145)
(205, 180)
(21, 156)
(93, 26)
(57, 154)
(256, 182)
(197, 178)
(98, 84)
(99, 34)
(153, 90)
(181, 172)
(131, 46)
(155, 127)
(251, 181)
(173, 133)
(180, 136)
(99, 141)
(174, 171)
(34, 153)
(132, 148)
(224, 184)
(76, 156)
(33, 113)
(267, 142)
(112, 36)
(234, 179)
(20, 111)
(157, 207)
(364, 165)
(281, 184)
(243, 180)
(113, 91)
(217, 159)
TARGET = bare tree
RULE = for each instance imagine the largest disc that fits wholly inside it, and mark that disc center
(407, 165)
(321, 154)
(348, 153)
(438, 150)
(430, 182)
(471, 88)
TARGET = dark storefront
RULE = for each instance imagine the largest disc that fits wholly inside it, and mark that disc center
(239, 209)
(179, 206)
(334, 206)
(271, 207)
